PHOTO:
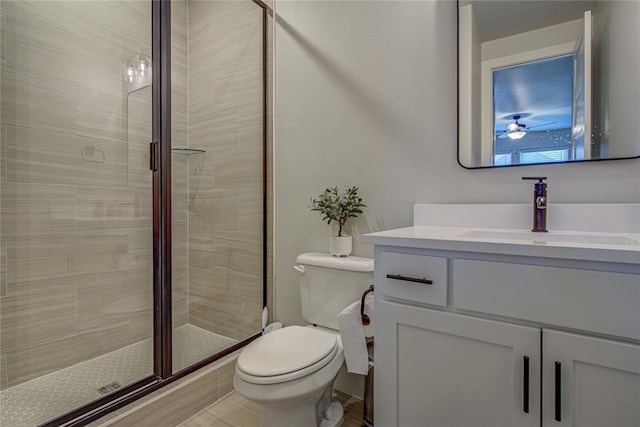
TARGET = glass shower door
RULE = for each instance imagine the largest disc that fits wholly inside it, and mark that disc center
(218, 149)
(76, 276)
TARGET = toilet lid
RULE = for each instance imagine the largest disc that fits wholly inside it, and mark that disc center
(286, 350)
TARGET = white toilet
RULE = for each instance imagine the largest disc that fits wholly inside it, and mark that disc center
(290, 371)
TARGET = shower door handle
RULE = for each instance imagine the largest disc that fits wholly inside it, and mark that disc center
(154, 155)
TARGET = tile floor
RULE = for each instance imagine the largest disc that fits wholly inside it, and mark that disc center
(234, 410)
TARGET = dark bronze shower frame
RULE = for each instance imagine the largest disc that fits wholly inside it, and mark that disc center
(160, 164)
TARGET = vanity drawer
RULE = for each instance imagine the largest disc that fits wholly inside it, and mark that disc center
(597, 301)
(404, 276)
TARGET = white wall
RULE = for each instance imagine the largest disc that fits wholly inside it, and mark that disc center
(365, 94)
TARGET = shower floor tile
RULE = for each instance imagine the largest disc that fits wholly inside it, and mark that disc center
(38, 400)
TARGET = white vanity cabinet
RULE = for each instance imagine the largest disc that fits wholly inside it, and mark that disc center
(470, 338)
(444, 369)
(590, 381)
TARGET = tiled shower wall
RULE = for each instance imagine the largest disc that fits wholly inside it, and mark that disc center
(76, 277)
(225, 188)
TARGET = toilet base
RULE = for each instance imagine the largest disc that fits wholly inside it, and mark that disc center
(334, 415)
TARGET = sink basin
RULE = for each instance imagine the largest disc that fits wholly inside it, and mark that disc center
(542, 238)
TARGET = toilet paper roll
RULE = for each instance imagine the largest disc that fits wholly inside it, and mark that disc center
(353, 338)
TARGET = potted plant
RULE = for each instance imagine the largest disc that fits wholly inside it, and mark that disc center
(338, 207)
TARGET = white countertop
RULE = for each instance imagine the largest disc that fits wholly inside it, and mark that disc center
(587, 246)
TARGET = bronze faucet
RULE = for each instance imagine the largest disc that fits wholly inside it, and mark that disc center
(539, 204)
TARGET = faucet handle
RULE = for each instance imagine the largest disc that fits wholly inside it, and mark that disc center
(538, 178)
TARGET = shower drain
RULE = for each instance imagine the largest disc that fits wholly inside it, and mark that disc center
(106, 389)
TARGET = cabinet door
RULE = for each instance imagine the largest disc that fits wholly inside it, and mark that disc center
(443, 369)
(590, 381)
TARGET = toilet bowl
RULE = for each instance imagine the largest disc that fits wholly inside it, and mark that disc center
(291, 371)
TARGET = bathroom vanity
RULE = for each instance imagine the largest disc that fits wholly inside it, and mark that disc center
(492, 325)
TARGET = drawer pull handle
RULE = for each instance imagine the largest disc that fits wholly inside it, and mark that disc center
(410, 279)
(558, 397)
(526, 385)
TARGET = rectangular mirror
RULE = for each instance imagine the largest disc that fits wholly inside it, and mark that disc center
(547, 81)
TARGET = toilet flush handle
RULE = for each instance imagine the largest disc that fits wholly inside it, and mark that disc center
(300, 268)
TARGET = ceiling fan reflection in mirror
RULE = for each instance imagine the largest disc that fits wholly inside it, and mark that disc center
(516, 130)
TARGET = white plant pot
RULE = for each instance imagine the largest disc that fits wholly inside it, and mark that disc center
(340, 246)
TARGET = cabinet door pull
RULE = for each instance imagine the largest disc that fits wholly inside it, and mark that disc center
(410, 279)
(525, 403)
(558, 398)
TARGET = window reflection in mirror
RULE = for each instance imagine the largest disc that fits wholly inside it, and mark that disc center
(548, 81)
(537, 136)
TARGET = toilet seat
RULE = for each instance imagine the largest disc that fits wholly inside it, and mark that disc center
(286, 354)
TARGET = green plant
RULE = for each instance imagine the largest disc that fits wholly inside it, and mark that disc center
(339, 207)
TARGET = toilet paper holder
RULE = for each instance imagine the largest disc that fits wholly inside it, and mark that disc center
(365, 319)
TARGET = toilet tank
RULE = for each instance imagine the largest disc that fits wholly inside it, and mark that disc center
(329, 284)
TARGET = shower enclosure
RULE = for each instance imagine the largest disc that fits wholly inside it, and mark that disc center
(133, 198)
